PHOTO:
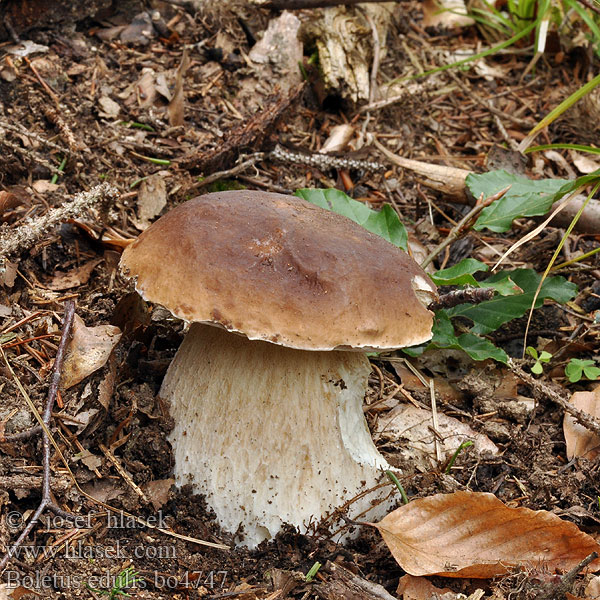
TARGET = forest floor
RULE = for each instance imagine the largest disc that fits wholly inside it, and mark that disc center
(108, 105)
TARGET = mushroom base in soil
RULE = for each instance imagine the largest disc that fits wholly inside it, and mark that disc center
(269, 434)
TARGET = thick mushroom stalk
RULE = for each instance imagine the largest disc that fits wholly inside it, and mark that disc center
(270, 434)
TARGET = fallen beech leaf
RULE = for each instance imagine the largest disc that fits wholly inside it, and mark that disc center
(158, 491)
(175, 108)
(592, 589)
(447, 14)
(580, 440)
(88, 350)
(473, 534)
(73, 278)
(420, 588)
(152, 198)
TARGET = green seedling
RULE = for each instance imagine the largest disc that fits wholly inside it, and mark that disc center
(312, 572)
(577, 368)
(464, 445)
(61, 170)
(540, 359)
(126, 579)
(397, 483)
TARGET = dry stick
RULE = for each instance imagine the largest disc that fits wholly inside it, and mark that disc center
(249, 162)
(299, 4)
(46, 501)
(31, 230)
(587, 420)
(463, 224)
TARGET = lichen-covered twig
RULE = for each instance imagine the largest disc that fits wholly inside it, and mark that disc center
(47, 501)
(24, 237)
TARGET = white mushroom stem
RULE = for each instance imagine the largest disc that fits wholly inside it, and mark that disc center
(270, 435)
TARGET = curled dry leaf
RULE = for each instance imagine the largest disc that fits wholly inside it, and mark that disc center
(73, 278)
(88, 350)
(471, 534)
(580, 440)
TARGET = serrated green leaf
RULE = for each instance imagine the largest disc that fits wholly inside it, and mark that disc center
(384, 223)
(460, 274)
(525, 198)
(490, 315)
(476, 347)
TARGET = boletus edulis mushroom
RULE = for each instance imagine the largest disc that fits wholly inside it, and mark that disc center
(283, 299)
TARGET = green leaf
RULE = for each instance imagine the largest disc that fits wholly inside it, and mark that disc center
(537, 368)
(532, 352)
(490, 315)
(545, 356)
(460, 274)
(578, 367)
(476, 347)
(384, 223)
(574, 371)
(592, 373)
(525, 198)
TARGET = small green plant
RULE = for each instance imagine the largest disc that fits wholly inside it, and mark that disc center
(126, 579)
(312, 572)
(577, 368)
(466, 444)
(540, 358)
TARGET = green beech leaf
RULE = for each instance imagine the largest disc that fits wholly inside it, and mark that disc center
(384, 223)
(476, 347)
(488, 316)
(525, 198)
(460, 274)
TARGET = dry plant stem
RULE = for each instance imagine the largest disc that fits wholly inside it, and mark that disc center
(22, 435)
(249, 162)
(46, 501)
(34, 136)
(300, 4)
(451, 181)
(556, 591)
(587, 420)
(30, 231)
(468, 295)
(461, 227)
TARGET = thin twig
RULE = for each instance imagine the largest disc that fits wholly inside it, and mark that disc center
(587, 420)
(463, 225)
(46, 501)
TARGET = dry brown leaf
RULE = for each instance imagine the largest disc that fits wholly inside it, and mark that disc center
(413, 424)
(152, 198)
(580, 440)
(420, 588)
(175, 108)
(473, 534)
(88, 350)
(158, 491)
(447, 14)
(73, 278)
(592, 589)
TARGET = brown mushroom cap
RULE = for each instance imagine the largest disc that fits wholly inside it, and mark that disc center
(280, 269)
